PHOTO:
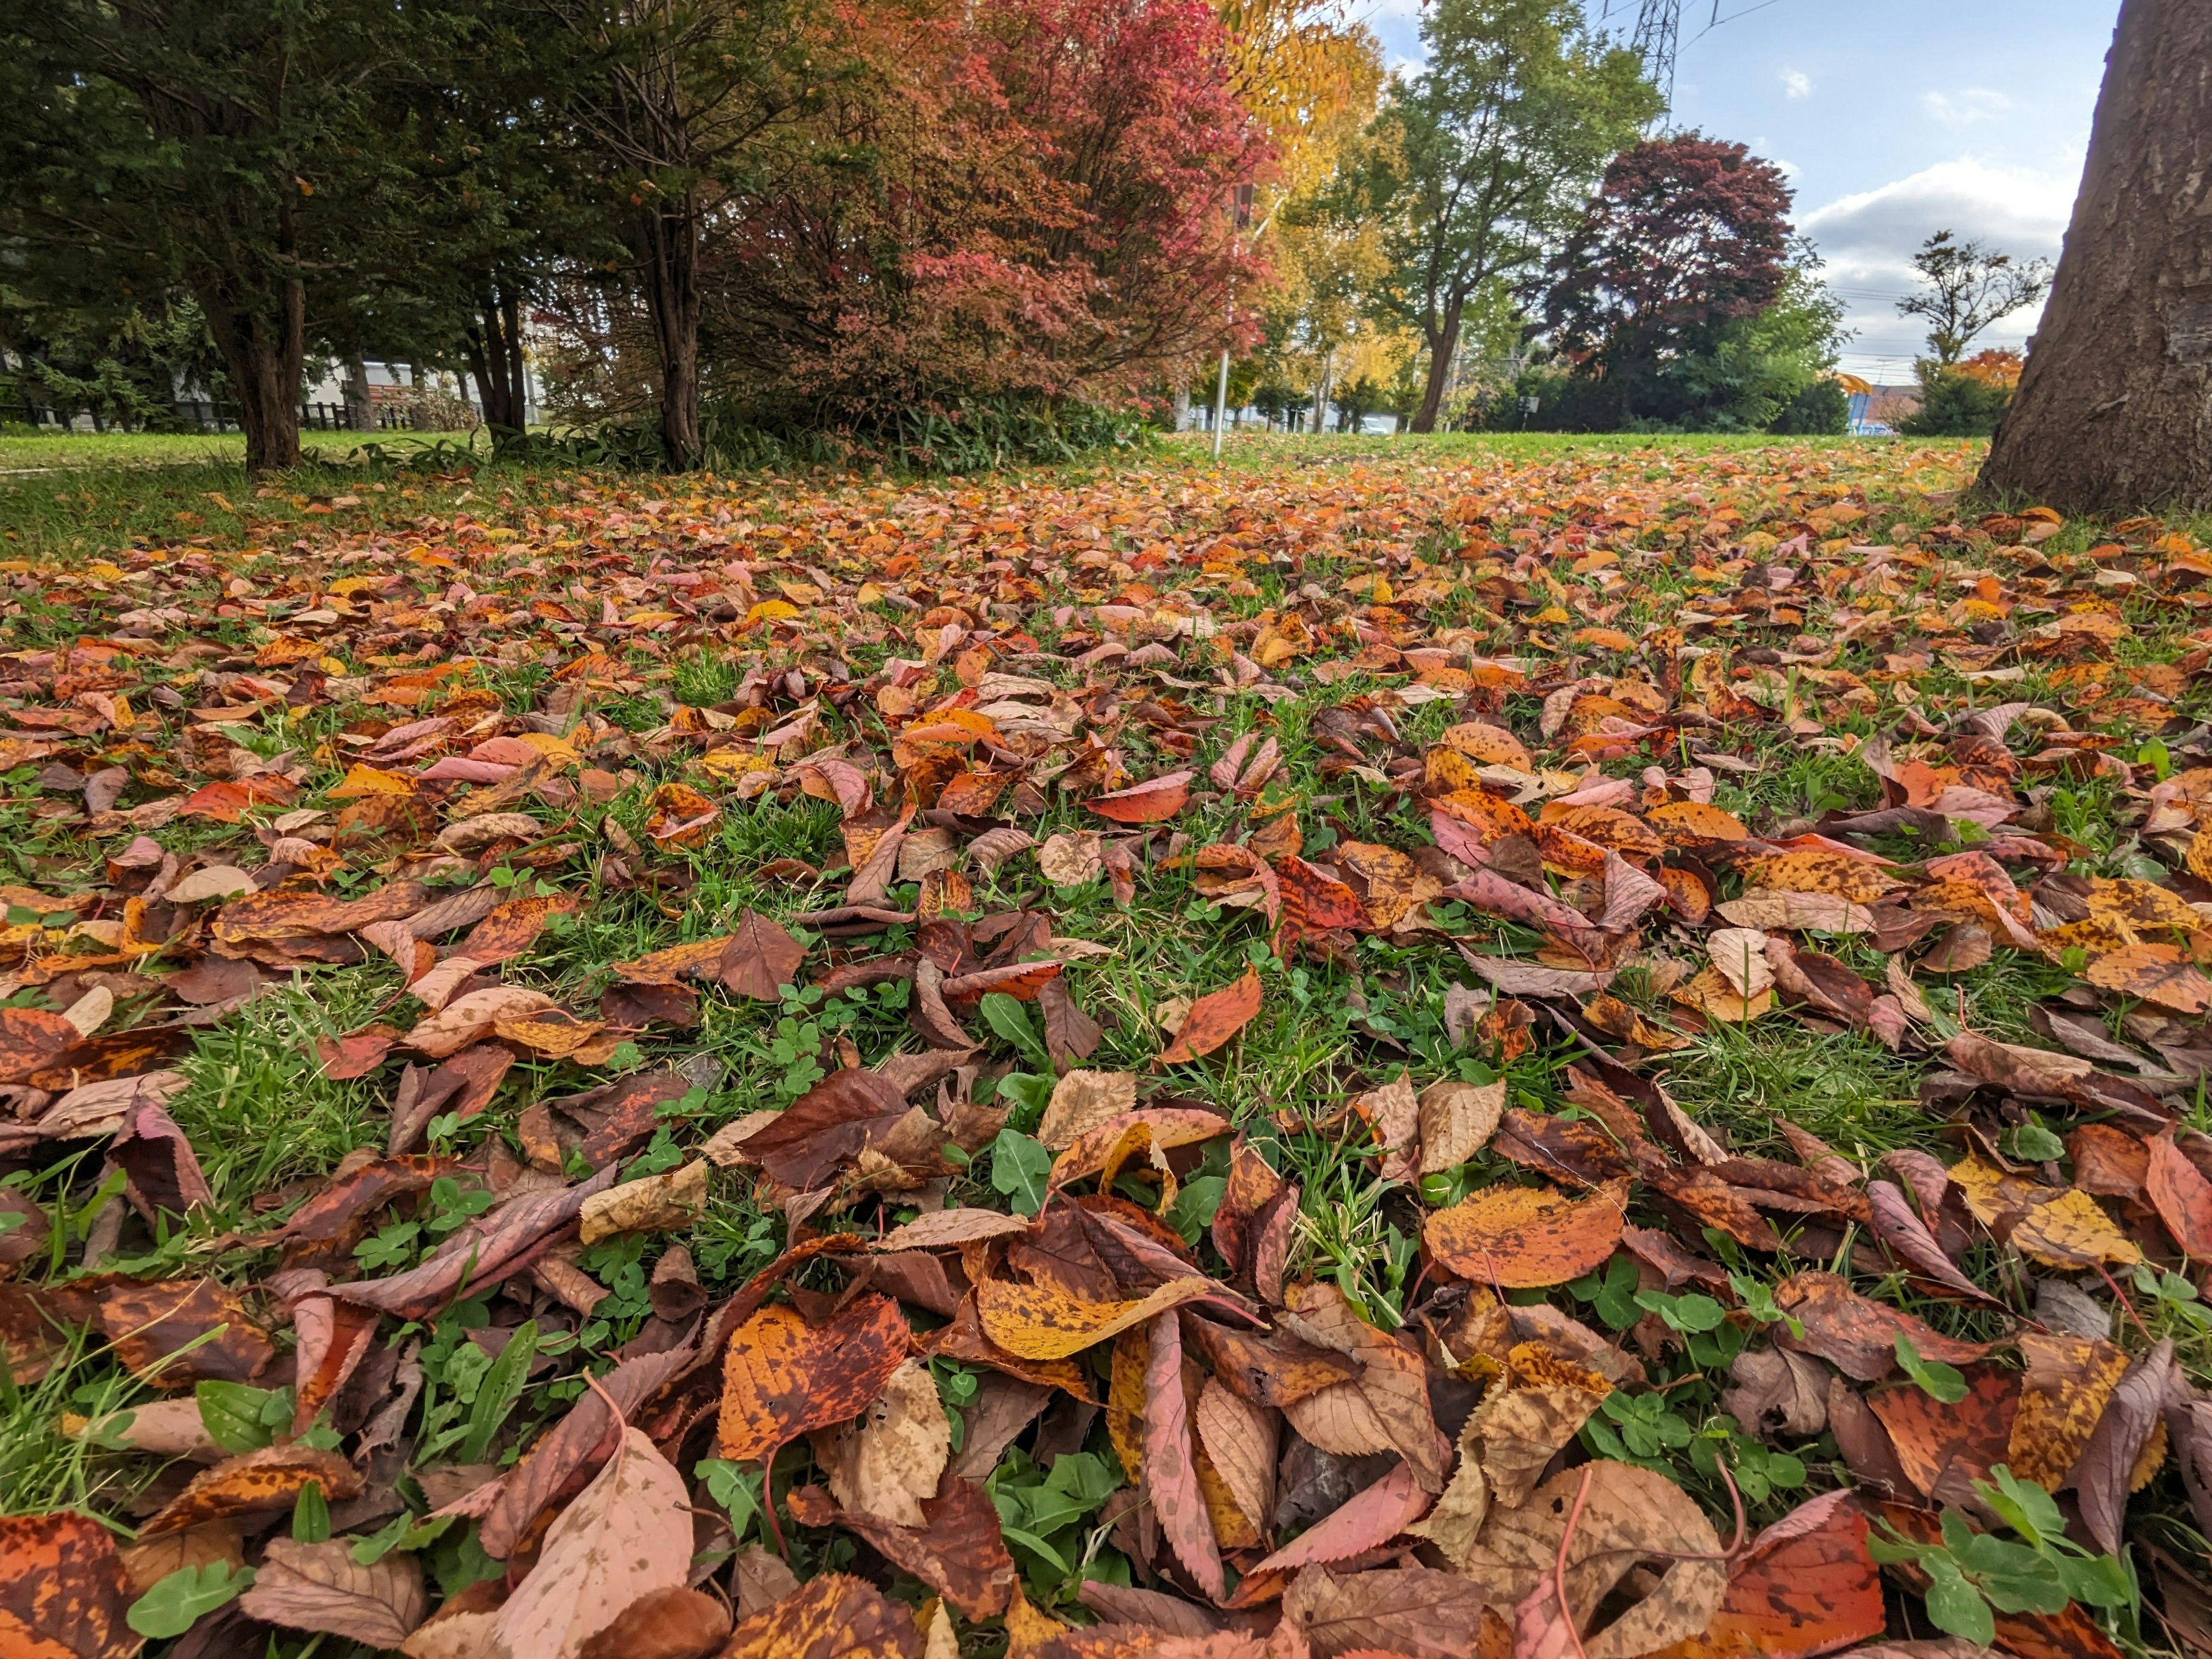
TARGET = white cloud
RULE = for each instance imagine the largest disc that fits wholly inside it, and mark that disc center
(1796, 84)
(1869, 239)
(1965, 106)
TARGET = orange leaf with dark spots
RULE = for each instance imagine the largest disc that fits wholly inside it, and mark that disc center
(781, 1376)
(1520, 1237)
(64, 1591)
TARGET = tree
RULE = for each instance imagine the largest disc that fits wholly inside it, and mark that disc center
(1686, 235)
(1489, 151)
(1955, 405)
(1020, 201)
(1969, 288)
(673, 102)
(1761, 368)
(162, 147)
(2114, 410)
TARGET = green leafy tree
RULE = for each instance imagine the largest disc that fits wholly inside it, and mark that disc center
(678, 107)
(162, 147)
(1955, 405)
(1486, 155)
(1969, 286)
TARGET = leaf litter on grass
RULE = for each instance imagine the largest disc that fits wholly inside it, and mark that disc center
(802, 994)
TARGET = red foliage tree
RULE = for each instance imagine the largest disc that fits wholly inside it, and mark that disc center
(1025, 197)
(1687, 235)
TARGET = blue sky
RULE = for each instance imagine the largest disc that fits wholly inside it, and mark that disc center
(1893, 118)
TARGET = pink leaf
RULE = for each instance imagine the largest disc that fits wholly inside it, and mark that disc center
(1170, 1474)
(1373, 1518)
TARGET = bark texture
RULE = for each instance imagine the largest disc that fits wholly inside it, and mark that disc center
(494, 342)
(2114, 411)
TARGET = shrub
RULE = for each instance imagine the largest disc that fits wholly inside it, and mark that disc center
(1955, 405)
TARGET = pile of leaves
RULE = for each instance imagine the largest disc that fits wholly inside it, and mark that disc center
(1134, 1062)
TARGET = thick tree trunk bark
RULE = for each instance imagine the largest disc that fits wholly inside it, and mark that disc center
(265, 356)
(668, 245)
(2114, 411)
(1442, 346)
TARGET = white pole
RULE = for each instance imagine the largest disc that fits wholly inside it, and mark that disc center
(1220, 401)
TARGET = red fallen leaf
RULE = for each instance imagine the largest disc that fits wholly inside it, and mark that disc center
(228, 801)
(1855, 1334)
(958, 1552)
(1021, 981)
(1170, 1475)
(564, 1458)
(1945, 1447)
(512, 928)
(1908, 1238)
(154, 1152)
(1146, 803)
(1367, 1521)
(2181, 1197)
(333, 1339)
(1216, 1018)
(826, 1126)
(356, 1055)
(760, 959)
(1312, 903)
(149, 1320)
(64, 1591)
(1807, 1586)
(480, 1254)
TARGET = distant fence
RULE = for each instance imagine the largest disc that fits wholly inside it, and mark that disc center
(193, 416)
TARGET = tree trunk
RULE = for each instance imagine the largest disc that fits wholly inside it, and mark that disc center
(2114, 410)
(1442, 344)
(667, 245)
(265, 356)
(361, 410)
(494, 343)
(1321, 394)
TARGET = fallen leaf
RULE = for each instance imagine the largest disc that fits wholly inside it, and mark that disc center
(654, 1203)
(1040, 1321)
(1170, 1478)
(628, 1535)
(258, 1481)
(1857, 1335)
(956, 1552)
(1082, 1100)
(1629, 1514)
(1521, 1237)
(760, 959)
(1213, 1020)
(783, 1376)
(830, 1616)
(664, 1623)
(1369, 1520)
(1146, 803)
(62, 1589)
(1412, 1611)
(321, 1587)
(1457, 1121)
(889, 1461)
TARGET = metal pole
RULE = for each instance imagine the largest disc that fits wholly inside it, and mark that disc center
(1220, 401)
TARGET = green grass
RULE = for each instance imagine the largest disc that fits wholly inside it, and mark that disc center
(81, 452)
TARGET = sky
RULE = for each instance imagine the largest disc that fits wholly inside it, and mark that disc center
(1892, 119)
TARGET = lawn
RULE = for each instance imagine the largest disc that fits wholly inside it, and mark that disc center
(1331, 892)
